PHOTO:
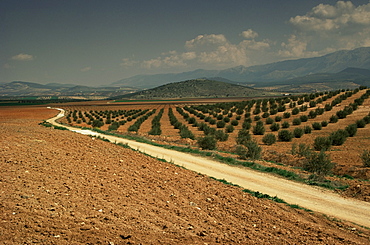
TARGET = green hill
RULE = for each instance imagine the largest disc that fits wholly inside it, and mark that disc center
(196, 88)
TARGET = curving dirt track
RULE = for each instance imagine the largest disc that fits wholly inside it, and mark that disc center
(314, 198)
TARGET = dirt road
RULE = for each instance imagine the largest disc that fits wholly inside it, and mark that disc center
(314, 198)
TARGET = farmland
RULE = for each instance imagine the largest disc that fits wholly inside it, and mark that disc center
(305, 119)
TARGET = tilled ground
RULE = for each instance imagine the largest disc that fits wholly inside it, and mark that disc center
(58, 187)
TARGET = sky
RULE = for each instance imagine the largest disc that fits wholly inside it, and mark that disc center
(91, 42)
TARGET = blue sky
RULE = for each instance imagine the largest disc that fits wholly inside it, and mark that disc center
(92, 42)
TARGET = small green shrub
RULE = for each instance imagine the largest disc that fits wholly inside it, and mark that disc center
(234, 123)
(304, 118)
(285, 135)
(269, 120)
(322, 143)
(316, 126)
(221, 135)
(243, 136)
(307, 129)
(365, 157)
(259, 129)
(295, 111)
(296, 121)
(220, 124)
(285, 124)
(318, 163)
(351, 130)
(269, 139)
(207, 143)
(265, 115)
(275, 127)
(361, 123)
(229, 129)
(338, 137)
(298, 132)
(324, 123)
(286, 115)
(250, 150)
(333, 119)
(257, 118)
(278, 119)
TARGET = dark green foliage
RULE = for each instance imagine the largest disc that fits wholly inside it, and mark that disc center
(341, 114)
(322, 143)
(298, 132)
(257, 118)
(207, 143)
(275, 127)
(312, 103)
(365, 157)
(361, 123)
(316, 126)
(278, 119)
(269, 139)
(265, 115)
(186, 133)
(220, 124)
(338, 137)
(285, 135)
(250, 150)
(303, 118)
(351, 130)
(286, 115)
(221, 135)
(312, 114)
(234, 122)
(229, 128)
(324, 123)
(333, 119)
(97, 123)
(307, 129)
(319, 163)
(113, 126)
(328, 107)
(243, 136)
(302, 151)
(226, 119)
(269, 120)
(295, 111)
(367, 119)
(246, 125)
(285, 124)
(296, 121)
(156, 125)
(259, 129)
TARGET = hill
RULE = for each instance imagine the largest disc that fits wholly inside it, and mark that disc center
(26, 89)
(196, 88)
(263, 75)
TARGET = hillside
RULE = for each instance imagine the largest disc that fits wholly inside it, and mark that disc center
(263, 75)
(26, 89)
(197, 88)
(65, 188)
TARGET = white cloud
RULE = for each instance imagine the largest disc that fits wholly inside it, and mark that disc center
(85, 69)
(127, 62)
(327, 28)
(22, 57)
(249, 34)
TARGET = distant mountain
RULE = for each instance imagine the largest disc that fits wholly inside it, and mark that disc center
(348, 78)
(196, 88)
(263, 75)
(22, 89)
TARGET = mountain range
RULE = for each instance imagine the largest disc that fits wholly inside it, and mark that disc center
(341, 69)
(283, 72)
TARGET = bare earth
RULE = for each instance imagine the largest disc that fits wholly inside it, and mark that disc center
(59, 187)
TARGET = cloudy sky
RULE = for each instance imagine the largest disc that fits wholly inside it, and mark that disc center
(93, 42)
